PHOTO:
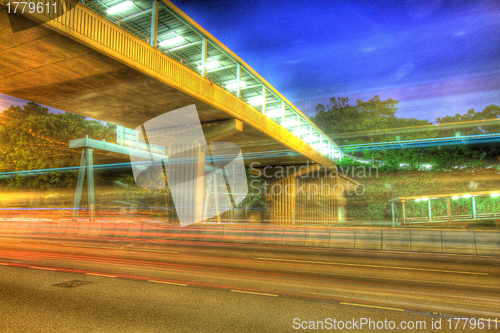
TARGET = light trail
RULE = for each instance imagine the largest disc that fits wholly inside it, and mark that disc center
(371, 266)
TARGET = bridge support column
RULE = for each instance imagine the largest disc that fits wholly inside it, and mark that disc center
(393, 219)
(299, 128)
(448, 205)
(264, 99)
(304, 195)
(238, 79)
(474, 215)
(404, 212)
(186, 182)
(283, 114)
(204, 47)
(430, 210)
(86, 164)
(212, 190)
(154, 24)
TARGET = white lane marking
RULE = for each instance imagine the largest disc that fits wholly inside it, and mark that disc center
(166, 282)
(372, 306)
(253, 293)
(44, 268)
(96, 274)
(492, 320)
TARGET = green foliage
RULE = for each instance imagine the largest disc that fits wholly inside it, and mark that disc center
(31, 138)
(471, 123)
(482, 225)
(366, 122)
(395, 182)
(450, 157)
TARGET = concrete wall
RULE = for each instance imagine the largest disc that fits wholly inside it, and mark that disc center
(387, 239)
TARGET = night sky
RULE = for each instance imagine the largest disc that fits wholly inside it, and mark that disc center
(437, 57)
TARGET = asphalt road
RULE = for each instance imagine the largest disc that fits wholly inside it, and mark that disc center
(174, 286)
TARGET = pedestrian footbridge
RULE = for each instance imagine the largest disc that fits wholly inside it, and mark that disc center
(127, 62)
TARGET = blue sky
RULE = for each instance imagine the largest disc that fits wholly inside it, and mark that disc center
(436, 57)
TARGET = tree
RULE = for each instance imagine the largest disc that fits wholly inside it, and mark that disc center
(366, 122)
(31, 138)
(471, 123)
(425, 171)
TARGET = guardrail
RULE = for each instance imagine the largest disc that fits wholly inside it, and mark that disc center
(404, 143)
(470, 242)
(444, 218)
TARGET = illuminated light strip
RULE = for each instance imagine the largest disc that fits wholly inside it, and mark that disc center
(374, 266)
(432, 140)
(44, 268)
(141, 250)
(253, 293)
(372, 306)
(95, 274)
(1, 263)
(172, 283)
(118, 248)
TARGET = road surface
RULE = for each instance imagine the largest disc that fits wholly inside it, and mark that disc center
(180, 286)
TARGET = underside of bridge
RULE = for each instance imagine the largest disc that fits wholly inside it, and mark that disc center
(54, 66)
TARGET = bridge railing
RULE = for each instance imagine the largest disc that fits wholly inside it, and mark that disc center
(130, 138)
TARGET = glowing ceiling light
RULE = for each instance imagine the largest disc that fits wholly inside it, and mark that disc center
(172, 41)
(211, 64)
(455, 197)
(494, 195)
(417, 200)
(119, 7)
(255, 101)
(425, 199)
(233, 85)
(275, 113)
(466, 196)
(300, 131)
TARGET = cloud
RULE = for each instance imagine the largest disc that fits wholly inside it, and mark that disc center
(404, 70)
(6, 101)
